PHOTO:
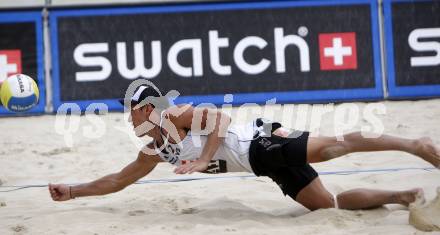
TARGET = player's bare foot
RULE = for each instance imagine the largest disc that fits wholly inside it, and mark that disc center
(426, 149)
(407, 197)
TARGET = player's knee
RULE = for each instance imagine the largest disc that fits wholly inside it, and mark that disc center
(338, 199)
(328, 202)
(321, 203)
(343, 200)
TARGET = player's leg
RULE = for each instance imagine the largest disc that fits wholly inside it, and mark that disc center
(325, 148)
(314, 196)
(371, 198)
(301, 182)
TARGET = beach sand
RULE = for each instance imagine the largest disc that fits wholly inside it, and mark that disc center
(32, 152)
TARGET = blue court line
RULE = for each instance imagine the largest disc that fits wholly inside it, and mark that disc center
(343, 172)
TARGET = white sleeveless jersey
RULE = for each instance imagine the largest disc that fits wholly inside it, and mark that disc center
(234, 149)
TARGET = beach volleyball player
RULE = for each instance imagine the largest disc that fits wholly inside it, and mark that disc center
(265, 148)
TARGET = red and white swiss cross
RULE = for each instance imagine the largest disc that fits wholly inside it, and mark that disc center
(337, 51)
(10, 63)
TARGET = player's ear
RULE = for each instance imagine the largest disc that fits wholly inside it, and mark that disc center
(148, 108)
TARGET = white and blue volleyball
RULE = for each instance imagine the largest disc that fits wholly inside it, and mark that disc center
(19, 93)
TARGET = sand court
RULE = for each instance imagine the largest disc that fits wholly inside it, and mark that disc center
(32, 153)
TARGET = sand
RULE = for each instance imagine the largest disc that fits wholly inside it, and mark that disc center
(31, 152)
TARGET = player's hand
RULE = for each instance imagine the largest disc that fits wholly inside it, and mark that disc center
(59, 192)
(196, 166)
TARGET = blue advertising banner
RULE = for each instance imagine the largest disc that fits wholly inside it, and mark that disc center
(21, 51)
(413, 48)
(291, 51)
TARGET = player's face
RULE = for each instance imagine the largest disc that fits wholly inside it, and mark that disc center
(139, 118)
(136, 117)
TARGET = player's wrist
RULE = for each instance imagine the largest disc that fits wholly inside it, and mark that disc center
(72, 194)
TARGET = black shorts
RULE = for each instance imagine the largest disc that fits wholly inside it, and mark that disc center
(284, 160)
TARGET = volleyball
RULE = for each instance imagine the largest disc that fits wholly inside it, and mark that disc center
(19, 93)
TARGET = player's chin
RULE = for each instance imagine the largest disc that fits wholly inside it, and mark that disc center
(139, 132)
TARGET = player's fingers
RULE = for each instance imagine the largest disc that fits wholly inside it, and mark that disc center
(183, 170)
(56, 192)
(55, 188)
(189, 168)
(179, 170)
(195, 169)
(192, 169)
(52, 192)
(51, 187)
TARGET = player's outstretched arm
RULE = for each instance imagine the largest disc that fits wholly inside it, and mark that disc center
(139, 168)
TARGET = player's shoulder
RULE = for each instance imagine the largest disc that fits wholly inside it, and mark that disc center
(181, 107)
(180, 115)
(179, 111)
